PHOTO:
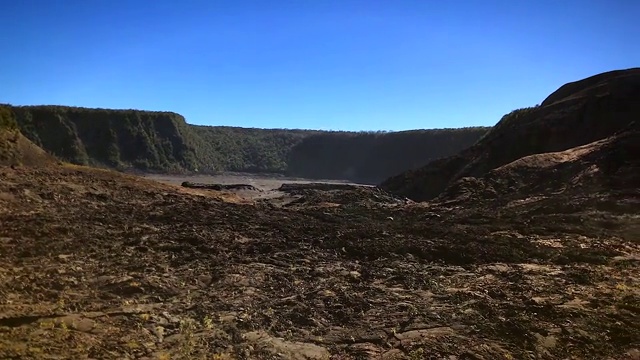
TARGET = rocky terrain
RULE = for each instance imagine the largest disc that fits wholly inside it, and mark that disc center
(108, 266)
(576, 114)
(535, 257)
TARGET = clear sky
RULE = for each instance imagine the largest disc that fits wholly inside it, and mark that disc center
(313, 64)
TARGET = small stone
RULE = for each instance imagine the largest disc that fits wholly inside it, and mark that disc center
(393, 354)
(633, 354)
(326, 293)
(77, 323)
(205, 280)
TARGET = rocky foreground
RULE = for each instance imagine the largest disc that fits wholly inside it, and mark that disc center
(102, 265)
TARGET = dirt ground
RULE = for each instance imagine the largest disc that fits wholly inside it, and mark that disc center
(100, 265)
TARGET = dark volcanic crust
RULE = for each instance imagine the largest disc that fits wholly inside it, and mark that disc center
(102, 265)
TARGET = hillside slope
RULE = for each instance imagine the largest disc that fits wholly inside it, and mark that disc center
(576, 114)
(164, 142)
(601, 170)
(15, 149)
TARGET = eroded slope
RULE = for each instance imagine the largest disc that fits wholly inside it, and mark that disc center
(576, 114)
(15, 149)
(609, 168)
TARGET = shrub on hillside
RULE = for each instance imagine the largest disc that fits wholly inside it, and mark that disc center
(7, 118)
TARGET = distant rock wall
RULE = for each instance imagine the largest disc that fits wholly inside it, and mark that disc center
(164, 142)
(113, 138)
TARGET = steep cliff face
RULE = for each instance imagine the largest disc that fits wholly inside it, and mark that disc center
(372, 157)
(163, 141)
(114, 138)
(576, 114)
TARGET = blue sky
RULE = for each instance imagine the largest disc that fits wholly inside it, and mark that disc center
(342, 65)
